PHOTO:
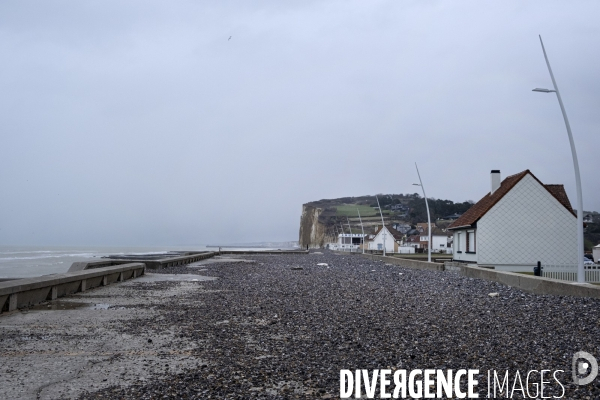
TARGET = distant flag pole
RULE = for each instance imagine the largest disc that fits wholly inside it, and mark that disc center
(363, 231)
(428, 216)
(350, 229)
(382, 224)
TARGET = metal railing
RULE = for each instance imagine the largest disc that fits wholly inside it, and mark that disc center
(569, 272)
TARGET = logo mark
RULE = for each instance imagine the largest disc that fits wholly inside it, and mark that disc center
(589, 366)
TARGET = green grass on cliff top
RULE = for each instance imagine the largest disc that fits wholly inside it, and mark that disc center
(349, 210)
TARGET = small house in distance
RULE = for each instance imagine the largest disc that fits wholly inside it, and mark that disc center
(519, 222)
(391, 239)
(439, 240)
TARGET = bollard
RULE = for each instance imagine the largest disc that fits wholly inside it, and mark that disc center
(537, 271)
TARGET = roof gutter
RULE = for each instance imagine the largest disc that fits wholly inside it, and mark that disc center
(459, 227)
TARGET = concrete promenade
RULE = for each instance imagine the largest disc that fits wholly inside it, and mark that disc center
(96, 339)
(27, 292)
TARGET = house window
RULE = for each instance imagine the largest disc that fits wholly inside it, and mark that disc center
(379, 246)
(471, 242)
(458, 240)
(441, 245)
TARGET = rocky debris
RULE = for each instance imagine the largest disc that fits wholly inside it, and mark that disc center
(289, 333)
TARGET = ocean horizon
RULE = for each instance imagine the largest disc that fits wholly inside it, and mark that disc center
(33, 261)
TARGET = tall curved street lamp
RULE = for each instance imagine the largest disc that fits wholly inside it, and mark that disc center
(580, 243)
(428, 216)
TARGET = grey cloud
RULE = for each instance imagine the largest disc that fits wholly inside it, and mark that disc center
(139, 123)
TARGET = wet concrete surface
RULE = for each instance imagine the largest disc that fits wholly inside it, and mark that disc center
(91, 340)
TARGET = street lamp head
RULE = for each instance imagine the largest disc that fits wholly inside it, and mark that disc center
(543, 90)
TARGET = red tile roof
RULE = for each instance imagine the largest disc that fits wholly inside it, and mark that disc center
(397, 235)
(479, 209)
(435, 232)
(558, 191)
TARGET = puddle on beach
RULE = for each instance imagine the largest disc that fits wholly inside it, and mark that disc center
(68, 305)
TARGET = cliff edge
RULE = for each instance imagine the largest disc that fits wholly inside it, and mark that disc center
(312, 232)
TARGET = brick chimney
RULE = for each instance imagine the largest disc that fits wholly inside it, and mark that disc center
(496, 181)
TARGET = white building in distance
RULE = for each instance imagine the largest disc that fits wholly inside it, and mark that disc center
(391, 239)
(350, 241)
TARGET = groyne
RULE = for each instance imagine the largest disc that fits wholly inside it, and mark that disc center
(151, 262)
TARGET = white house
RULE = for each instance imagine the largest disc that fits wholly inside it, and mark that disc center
(519, 222)
(439, 240)
(391, 237)
(596, 254)
(349, 241)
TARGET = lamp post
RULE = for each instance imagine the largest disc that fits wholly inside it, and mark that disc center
(343, 241)
(350, 229)
(580, 243)
(382, 224)
(363, 231)
(428, 216)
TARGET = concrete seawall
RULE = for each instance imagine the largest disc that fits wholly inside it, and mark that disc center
(150, 263)
(533, 284)
(407, 262)
(527, 283)
(170, 261)
(28, 292)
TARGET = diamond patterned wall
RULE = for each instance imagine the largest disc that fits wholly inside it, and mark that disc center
(527, 225)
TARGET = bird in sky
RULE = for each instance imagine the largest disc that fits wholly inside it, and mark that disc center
(229, 38)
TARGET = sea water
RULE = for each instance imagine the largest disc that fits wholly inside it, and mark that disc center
(32, 261)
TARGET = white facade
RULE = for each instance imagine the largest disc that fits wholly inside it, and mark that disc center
(378, 241)
(527, 225)
(460, 251)
(347, 241)
(439, 242)
(596, 254)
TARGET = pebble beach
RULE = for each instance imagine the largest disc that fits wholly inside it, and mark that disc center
(283, 326)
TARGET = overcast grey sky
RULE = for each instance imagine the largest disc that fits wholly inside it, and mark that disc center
(140, 123)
